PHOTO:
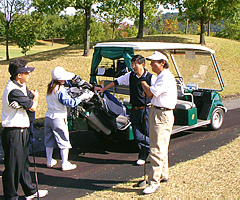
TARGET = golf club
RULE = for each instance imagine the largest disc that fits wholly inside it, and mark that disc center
(144, 182)
(35, 170)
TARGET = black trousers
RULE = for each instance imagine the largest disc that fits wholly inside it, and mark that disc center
(137, 119)
(15, 143)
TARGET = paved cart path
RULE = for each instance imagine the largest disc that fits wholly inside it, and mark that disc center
(104, 164)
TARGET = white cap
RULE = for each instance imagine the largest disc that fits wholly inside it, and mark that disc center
(157, 56)
(61, 74)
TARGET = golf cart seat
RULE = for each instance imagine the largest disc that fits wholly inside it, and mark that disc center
(183, 104)
(185, 111)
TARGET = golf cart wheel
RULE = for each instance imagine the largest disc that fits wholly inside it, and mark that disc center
(216, 119)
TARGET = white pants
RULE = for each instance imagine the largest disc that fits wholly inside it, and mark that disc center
(56, 133)
(160, 128)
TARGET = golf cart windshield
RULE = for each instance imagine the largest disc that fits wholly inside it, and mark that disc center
(197, 69)
(195, 64)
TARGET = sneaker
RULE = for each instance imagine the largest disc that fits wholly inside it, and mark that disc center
(41, 193)
(150, 189)
(140, 162)
(68, 166)
(53, 162)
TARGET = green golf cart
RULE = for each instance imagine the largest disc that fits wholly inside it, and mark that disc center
(196, 70)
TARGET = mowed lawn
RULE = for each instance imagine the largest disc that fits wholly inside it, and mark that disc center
(15, 51)
(47, 57)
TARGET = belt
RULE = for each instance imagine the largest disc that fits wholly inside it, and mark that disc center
(161, 108)
(141, 107)
(15, 128)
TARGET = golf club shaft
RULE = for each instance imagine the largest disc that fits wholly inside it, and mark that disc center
(35, 170)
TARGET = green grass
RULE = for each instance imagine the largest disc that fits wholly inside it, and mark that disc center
(15, 51)
(214, 175)
(47, 58)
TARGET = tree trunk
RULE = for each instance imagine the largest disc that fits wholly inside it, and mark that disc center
(141, 20)
(202, 34)
(87, 31)
(209, 28)
(52, 41)
(186, 28)
(7, 39)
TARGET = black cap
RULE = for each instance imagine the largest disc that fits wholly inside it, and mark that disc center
(18, 66)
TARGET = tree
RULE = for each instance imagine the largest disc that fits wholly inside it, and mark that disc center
(100, 31)
(53, 26)
(2, 27)
(203, 11)
(9, 8)
(54, 7)
(144, 13)
(74, 29)
(171, 25)
(23, 30)
(113, 12)
(141, 20)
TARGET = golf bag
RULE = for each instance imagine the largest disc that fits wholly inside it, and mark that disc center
(103, 112)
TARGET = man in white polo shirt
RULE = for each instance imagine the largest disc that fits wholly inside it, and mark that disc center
(161, 119)
(17, 100)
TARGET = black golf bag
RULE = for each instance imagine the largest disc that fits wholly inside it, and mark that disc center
(103, 112)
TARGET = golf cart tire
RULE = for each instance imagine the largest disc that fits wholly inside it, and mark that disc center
(216, 119)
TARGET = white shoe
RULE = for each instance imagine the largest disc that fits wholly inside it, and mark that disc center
(41, 193)
(53, 162)
(150, 189)
(140, 162)
(68, 166)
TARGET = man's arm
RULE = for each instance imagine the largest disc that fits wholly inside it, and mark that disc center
(146, 89)
(22, 100)
(122, 80)
(35, 101)
(110, 85)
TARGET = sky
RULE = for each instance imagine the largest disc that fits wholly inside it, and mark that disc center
(72, 10)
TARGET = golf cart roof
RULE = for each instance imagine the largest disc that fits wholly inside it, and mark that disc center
(156, 46)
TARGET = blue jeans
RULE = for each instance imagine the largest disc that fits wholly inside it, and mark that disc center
(137, 120)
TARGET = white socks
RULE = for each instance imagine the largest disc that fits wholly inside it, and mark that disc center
(64, 155)
(63, 152)
(49, 152)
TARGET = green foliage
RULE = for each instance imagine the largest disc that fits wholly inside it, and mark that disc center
(151, 12)
(231, 31)
(112, 12)
(153, 31)
(100, 31)
(23, 30)
(53, 26)
(50, 6)
(73, 29)
(40, 20)
(131, 30)
(2, 29)
(202, 11)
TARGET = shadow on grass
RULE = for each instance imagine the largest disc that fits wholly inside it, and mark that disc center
(155, 38)
(69, 51)
(39, 42)
(49, 55)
